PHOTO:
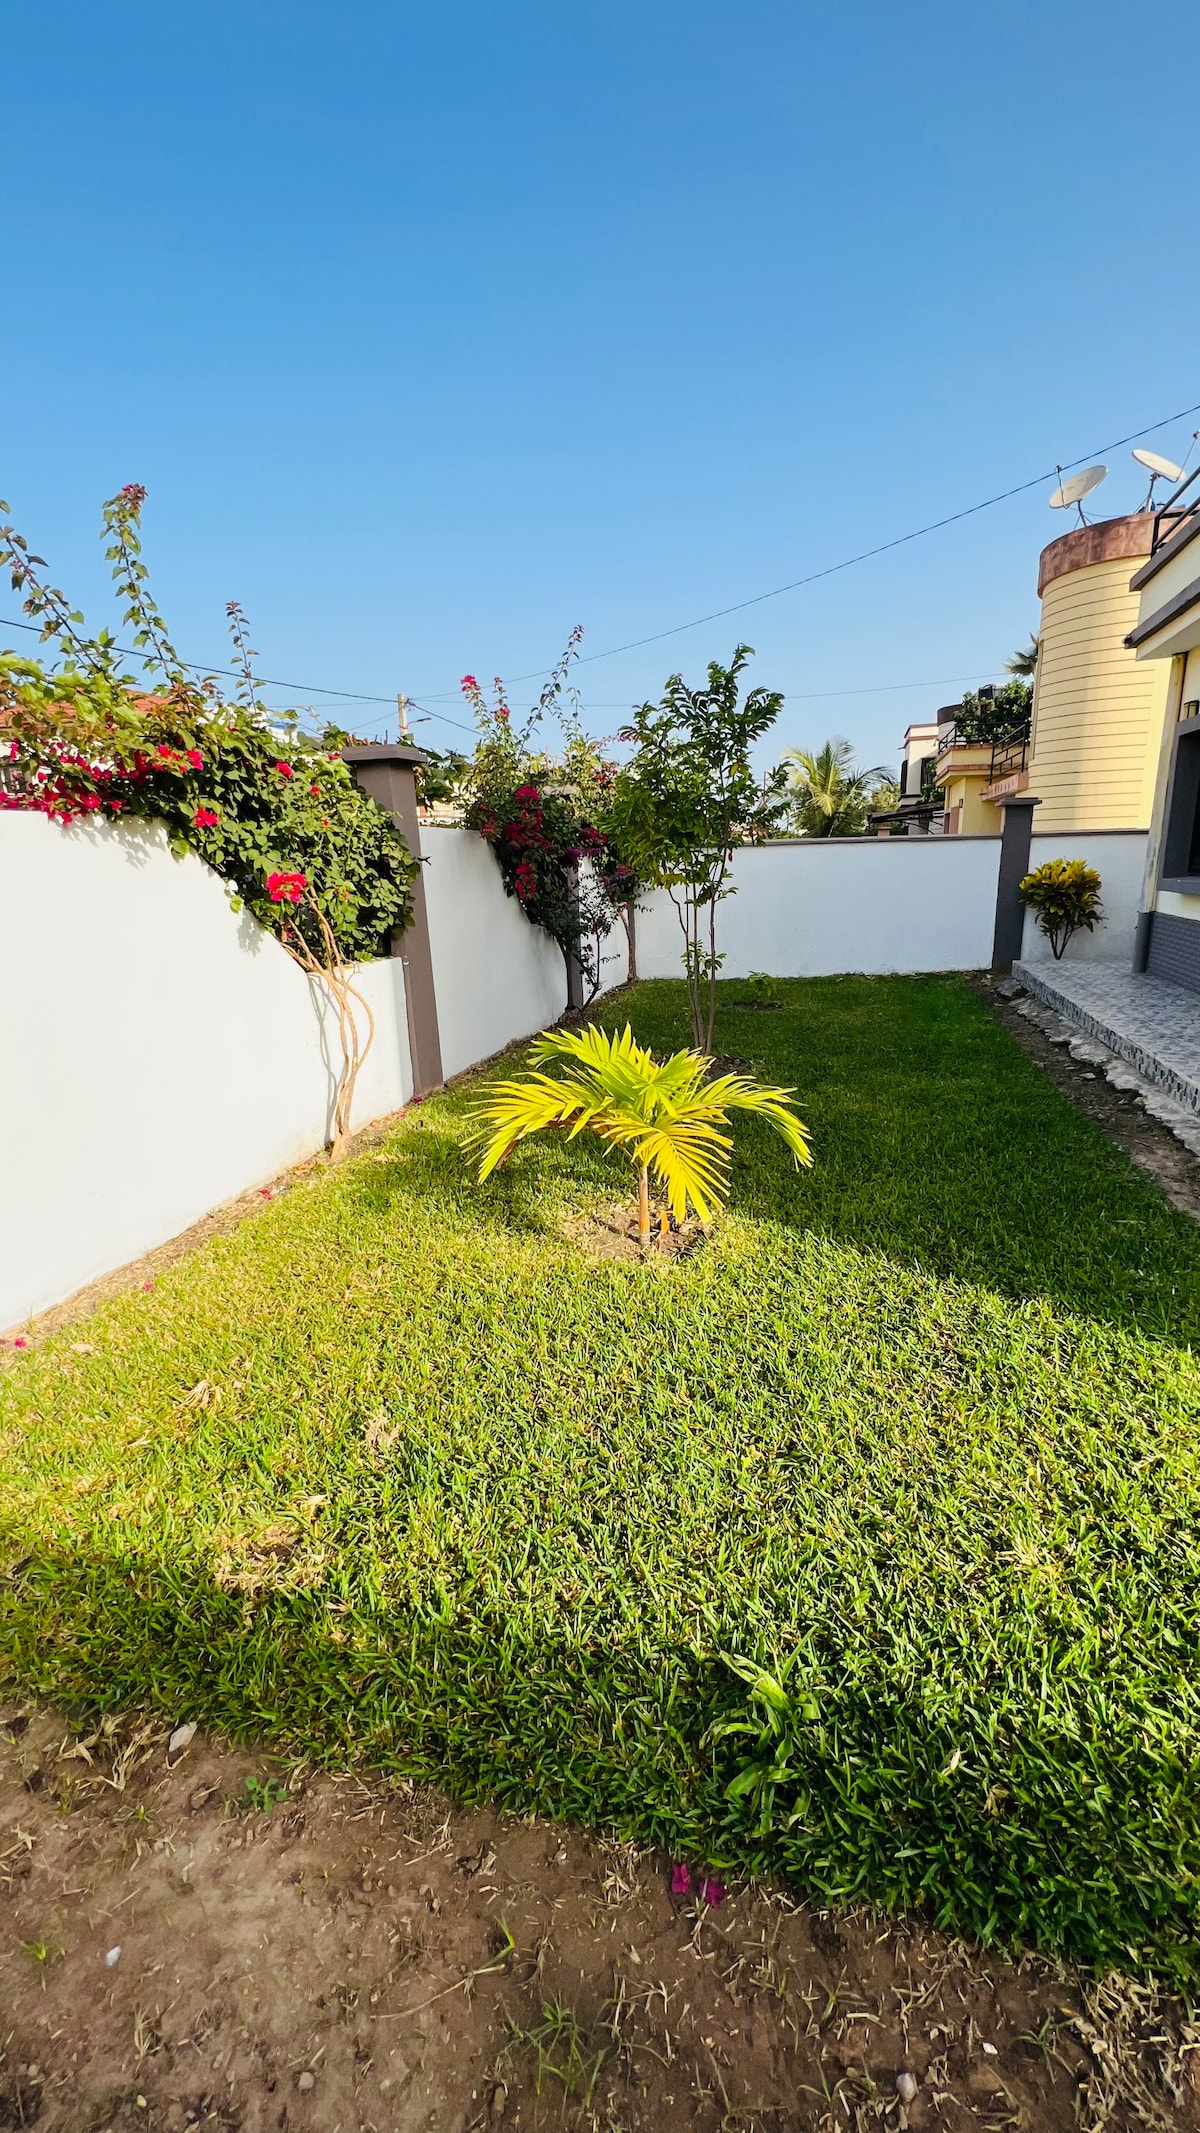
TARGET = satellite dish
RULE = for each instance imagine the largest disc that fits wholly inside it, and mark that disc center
(1160, 470)
(1080, 485)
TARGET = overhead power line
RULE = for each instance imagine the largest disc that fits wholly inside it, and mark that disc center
(426, 701)
(864, 555)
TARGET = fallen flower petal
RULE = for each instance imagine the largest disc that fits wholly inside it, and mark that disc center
(681, 1880)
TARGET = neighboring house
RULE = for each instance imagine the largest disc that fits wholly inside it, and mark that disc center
(1097, 713)
(1090, 752)
(918, 811)
(1165, 640)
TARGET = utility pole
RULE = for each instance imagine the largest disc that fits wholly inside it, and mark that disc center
(402, 707)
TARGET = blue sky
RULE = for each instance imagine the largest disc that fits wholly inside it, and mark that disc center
(433, 331)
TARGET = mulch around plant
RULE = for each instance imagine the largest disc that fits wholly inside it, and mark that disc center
(212, 1940)
(611, 1232)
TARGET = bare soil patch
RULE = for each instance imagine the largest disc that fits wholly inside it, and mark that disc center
(611, 1232)
(306, 1950)
(1148, 1143)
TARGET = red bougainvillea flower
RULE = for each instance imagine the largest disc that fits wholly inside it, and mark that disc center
(285, 770)
(165, 750)
(20, 1342)
(314, 790)
(526, 792)
(147, 1284)
(195, 759)
(681, 1880)
(468, 682)
(286, 888)
(206, 818)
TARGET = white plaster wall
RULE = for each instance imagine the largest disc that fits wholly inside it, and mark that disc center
(159, 1053)
(496, 977)
(1120, 860)
(813, 907)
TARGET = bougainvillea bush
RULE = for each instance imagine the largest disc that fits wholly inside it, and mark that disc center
(545, 818)
(272, 809)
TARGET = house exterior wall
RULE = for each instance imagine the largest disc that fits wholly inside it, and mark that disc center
(1098, 710)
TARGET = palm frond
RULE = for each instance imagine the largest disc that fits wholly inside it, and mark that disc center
(667, 1116)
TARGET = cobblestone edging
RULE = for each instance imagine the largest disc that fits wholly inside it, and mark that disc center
(1153, 1025)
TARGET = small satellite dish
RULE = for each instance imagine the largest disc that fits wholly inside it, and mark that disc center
(1160, 470)
(1078, 486)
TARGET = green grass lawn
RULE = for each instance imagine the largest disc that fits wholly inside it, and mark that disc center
(396, 1472)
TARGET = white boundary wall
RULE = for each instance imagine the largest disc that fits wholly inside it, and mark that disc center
(158, 1053)
(814, 907)
(1119, 857)
(496, 977)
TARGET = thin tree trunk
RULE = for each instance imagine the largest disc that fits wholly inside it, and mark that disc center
(712, 973)
(629, 923)
(644, 1208)
(332, 972)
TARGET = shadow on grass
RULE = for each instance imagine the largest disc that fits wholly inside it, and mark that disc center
(939, 1143)
(1006, 1810)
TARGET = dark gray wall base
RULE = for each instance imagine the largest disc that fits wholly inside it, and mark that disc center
(1175, 950)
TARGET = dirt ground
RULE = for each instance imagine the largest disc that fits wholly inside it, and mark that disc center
(205, 1938)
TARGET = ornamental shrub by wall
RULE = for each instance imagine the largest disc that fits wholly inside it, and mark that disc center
(257, 799)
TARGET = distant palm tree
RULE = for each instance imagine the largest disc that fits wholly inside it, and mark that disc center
(1024, 664)
(829, 796)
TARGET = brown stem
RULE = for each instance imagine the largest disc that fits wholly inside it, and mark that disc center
(331, 970)
(644, 1208)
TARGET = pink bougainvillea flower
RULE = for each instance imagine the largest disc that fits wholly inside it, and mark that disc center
(147, 1284)
(265, 1193)
(468, 682)
(285, 770)
(681, 1880)
(712, 1889)
(206, 818)
(20, 1342)
(195, 759)
(286, 888)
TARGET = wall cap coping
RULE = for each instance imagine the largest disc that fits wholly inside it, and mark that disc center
(383, 752)
(1111, 540)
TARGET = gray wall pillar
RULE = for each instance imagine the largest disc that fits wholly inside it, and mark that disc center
(386, 772)
(1015, 837)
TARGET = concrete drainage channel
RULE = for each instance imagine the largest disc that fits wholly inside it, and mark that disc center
(1176, 1117)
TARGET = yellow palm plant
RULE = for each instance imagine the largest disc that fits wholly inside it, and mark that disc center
(666, 1115)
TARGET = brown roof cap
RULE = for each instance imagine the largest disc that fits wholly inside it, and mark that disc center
(1112, 540)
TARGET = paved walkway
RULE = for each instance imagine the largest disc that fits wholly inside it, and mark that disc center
(1154, 1025)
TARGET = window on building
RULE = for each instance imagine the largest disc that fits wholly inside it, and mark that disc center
(1181, 844)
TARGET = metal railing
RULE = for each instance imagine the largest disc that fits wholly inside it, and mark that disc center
(1167, 523)
(1009, 757)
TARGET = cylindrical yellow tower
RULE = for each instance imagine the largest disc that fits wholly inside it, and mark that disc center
(1097, 710)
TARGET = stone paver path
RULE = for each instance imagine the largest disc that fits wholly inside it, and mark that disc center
(1155, 1026)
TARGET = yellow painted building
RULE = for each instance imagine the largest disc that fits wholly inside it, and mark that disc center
(1092, 757)
(1097, 711)
(1166, 641)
